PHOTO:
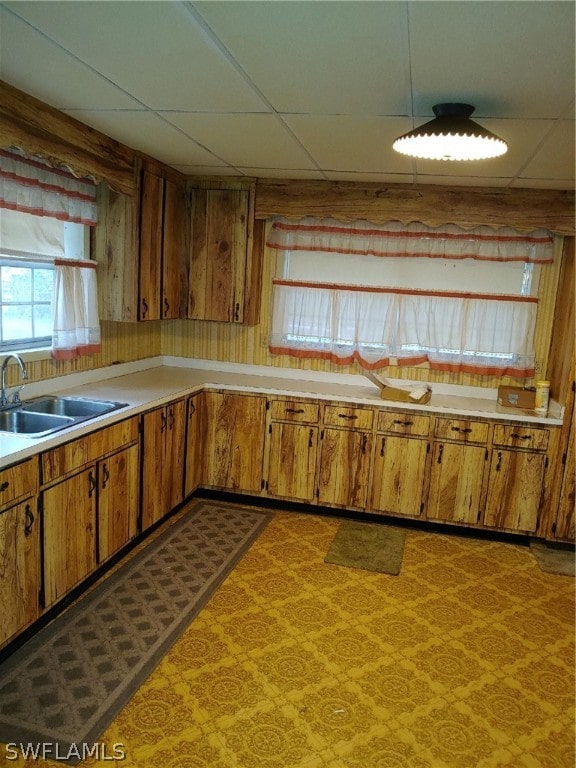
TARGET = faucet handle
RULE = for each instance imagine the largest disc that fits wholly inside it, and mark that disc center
(16, 395)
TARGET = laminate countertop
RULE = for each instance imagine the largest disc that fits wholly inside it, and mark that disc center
(152, 383)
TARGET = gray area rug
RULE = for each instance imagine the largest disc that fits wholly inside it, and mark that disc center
(70, 680)
(553, 558)
(368, 546)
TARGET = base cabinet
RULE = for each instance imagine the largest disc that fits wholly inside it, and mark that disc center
(234, 441)
(19, 568)
(118, 497)
(398, 478)
(455, 491)
(515, 488)
(163, 461)
(195, 443)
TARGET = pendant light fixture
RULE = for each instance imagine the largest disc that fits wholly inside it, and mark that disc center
(451, 136)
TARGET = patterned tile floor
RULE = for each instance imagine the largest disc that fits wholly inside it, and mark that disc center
(465, 660)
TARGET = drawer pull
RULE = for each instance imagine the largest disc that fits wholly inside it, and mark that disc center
(516, 436)
(294, 410)
(346, 416)
(403, 423)
(4, 486)
(29, 521)
(463, 430)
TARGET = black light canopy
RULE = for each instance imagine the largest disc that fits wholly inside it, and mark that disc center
(452, 135)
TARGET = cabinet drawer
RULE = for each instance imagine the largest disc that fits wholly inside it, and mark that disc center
(403, 423)
(86, 449)
(341, 416)
(295, 411)
(17, 481)
(461, 430)
(521, 437)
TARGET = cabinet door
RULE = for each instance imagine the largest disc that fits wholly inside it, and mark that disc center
(235, 441)
(219, 251)
(514, 490)
(69, 525)
(173, 463)
(565, 518)
(292, 464)
(174, 251)
(118, 479)
(456, 482)
(344, 467)
(151, 212)
(19, 569)
(398, 478)
(195, 442)
(154, 505)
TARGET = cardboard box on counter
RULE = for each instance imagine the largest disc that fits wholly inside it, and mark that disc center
(517, 397)
(419, 393)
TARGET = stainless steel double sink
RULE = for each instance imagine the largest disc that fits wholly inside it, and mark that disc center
(43, 415)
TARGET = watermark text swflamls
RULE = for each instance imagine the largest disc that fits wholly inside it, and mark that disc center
(49, 750)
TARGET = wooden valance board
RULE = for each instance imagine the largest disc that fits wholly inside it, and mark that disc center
(39, 129)
(523, 209)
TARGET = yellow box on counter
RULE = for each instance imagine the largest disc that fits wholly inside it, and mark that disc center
(517, 397)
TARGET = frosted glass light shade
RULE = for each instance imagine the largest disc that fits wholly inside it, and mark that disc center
(451, 136)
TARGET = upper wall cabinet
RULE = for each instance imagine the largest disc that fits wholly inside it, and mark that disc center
(141, 245)
(224, 265)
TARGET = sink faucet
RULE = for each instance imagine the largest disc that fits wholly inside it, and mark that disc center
(23, 372)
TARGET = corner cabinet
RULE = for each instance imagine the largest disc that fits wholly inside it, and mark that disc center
(224, 274)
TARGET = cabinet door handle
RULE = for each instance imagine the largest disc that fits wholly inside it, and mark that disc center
(4, 486)
(403, 423)
(171, 418)
(192, 409)
(29, 520)
(346, 416)
(91, 484)
(237, 312)
(163, 422)
(463, 430)
(294, 410)
(144, 308)
(499, 461)
(440, 452)
(382, 446)
(105, 476)
(310, 438)
(516, 436)
(364, 443)
(166, 306)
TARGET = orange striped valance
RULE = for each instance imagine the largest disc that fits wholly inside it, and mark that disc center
(394, 239)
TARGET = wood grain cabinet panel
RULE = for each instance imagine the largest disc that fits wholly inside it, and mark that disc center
(235, 441)
(118, 495)
(18, 481)
(294, 411)
(293, 450)
(195, 443)
(519, 436)
(398, 475)
(163, 461)
(462, 430)
(403, 423)
(69, 533)
(19, 568)
(515, 490)
(349, 417)
(344, 472)
(456, 477)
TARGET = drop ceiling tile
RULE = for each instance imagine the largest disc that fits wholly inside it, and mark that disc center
(258, 141)
(555, 158)
(567, 184)
(283, 173)
(32, 63)
(206, 170)
(506, 58)
(153, 50)
(147, 133)
(463, 180)
(522, 137)
(319, 57)
(384, 178)
(344, 143)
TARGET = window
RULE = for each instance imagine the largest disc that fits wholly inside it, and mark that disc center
(468, 305)
(28, 246)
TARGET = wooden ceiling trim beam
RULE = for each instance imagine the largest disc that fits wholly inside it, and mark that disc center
(523, 209)
(39, 129)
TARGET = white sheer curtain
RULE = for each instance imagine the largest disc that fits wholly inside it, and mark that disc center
(378, 324)
(75, 310)
(30, 186)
